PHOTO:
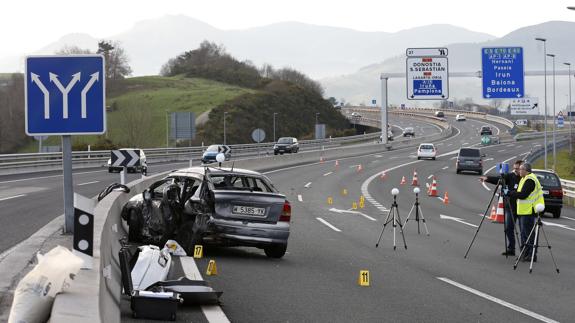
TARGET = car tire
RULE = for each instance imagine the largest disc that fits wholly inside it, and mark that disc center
(457, 171)
(418, 158)
(556, 212)
(110, 170)
(432, 158)
(275, 251)
(134, 226)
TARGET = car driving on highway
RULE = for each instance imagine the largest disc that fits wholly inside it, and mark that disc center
(485, 130)
(552, 191)
(408, 131)
(460, 117)
(211, 206)
(286, 145)
(209, 155)
(469, 159)
(426, 151)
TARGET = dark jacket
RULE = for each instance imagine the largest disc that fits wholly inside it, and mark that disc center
(512, 182)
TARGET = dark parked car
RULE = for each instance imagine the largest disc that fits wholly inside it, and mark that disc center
(552, 191)
(485, 130)
(211, 206)
(408, 131)
(469, 159)
(286, 145)
(439, 114)
(209, 156)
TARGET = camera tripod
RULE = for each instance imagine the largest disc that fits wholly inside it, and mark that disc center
(393, 217)
(535, 232)
(500, 185)
(417, 214)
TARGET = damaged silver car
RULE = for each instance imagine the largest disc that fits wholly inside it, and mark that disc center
(211, 206)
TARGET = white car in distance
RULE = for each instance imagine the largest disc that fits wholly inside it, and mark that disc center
(426, 151)
(460, 117)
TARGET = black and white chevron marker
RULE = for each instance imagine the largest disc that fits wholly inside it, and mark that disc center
(125, 157)
(223, 149)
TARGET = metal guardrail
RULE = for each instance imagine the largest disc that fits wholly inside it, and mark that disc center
(156, 155)
(568, 188)
(538, 134)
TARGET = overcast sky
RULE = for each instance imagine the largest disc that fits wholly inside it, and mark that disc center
(27, 25)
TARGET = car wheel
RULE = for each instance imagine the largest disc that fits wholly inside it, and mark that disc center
(432, 158)
(110, 170)
(275, 152)
(457, 171)
(134, 226)
(480, 172)
(556, 212)
(275, 251)
(418, 158)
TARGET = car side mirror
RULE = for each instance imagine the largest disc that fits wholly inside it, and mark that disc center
(147, 195)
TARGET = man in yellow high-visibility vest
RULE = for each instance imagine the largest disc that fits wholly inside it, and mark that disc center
(529, 193)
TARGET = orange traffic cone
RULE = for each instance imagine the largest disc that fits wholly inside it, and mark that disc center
(382, 176)
(321, 160)
(433, 188)
(493, 214)
(414, 181)
(336, 163)
(403, 181)
(446, 198)
(359, 168)
(500, 215)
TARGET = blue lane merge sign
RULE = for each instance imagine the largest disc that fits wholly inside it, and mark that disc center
(503, 76)
(65, 95)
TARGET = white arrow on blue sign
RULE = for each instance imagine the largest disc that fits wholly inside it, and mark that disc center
(502, 69)
(65, 95)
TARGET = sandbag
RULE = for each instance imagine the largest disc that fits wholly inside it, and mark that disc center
(35, 293)
(153, 265)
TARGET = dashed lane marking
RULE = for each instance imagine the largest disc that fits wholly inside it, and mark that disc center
(328, 224)
(327, 174)
(446, 167)
(447, 217)
(430, 176)
(352, 212)
(568, 218)
(299, 198)
(307, 185)
(498, 301)
(88, 183)
(11, 197)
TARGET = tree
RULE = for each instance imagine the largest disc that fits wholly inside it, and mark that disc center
(117, 66)
(67, 50)
(135, 126)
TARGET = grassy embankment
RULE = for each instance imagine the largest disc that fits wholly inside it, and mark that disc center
(146, 99)
(565, 163)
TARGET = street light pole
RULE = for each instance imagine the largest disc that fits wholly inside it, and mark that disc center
(225, 114)
(570, 112)
(167, 131)
(275, 126)
(545, 94)
(554, 116)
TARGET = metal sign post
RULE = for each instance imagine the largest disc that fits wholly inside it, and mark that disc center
(65, 96)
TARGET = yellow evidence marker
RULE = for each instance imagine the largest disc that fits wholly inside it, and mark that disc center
(212, 268)
(329, 200)
(354, 206)
(344, 192)
(198, 251)
(361, 204)
(363, 279)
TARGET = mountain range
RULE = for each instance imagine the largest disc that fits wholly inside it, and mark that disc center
(346, 62)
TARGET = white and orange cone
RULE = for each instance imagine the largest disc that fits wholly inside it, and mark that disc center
(403, 181)
(500, 214)
(446, 198)
(359, 168)
(414, 181)
(433, 188)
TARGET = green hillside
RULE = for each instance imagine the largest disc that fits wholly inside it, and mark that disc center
(137, 111)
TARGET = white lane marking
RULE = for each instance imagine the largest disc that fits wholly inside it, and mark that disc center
(446, 167)
(327, 174)
(568, 218)
(465, 143)
(520, 146)
(365, 184)
(299, 198)
(307, 185)
(447, 217)
(453, 157)
(328, 224)
(43, 177)
(498, 301)
(558, 225)
(378, 156)
(485, 186)
(430, 176)
(213, 313)
(354, 166)
(352, 212)
(88, 183)
(537, 145)
(501, 150)
(489, 159)
(11, 197)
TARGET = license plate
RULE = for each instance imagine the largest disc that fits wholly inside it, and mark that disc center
(469, 162)
(249, 210)
(546, 192)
